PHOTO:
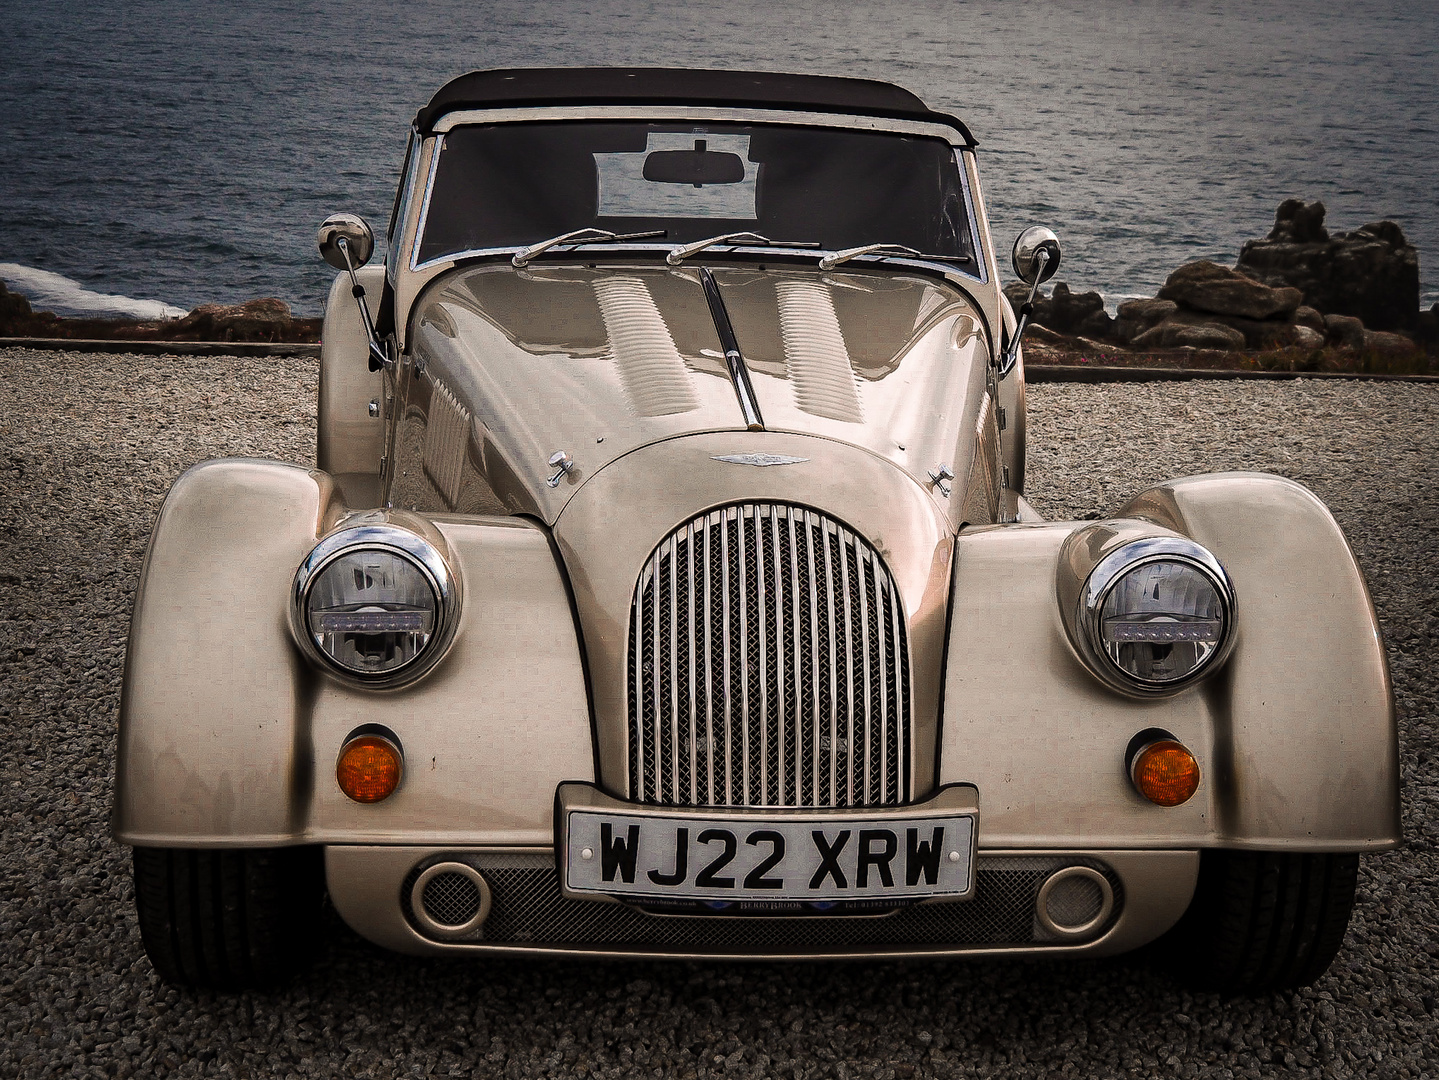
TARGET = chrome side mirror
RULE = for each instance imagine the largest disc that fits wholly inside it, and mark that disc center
(346, 241)
(1036, 258)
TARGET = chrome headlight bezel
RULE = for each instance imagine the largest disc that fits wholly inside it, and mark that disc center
(1107, 574)
(422, 554)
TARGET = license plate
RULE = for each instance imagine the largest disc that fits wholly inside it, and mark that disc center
(753, 858)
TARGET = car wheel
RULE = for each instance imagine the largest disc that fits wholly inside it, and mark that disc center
(228, 920)
(1262, 921)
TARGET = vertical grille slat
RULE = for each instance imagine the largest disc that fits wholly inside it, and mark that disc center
(768, 666)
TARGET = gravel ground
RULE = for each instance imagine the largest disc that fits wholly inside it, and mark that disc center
(88, 445)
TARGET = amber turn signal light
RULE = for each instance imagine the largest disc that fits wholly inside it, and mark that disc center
(369, 768)
(1165, 773)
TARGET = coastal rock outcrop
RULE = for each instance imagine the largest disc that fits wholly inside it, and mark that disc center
(1207, 286)
(266, 320)
(1213, 307)
(1063, 311)
(1371, 273)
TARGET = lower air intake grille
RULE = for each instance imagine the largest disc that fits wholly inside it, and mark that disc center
(768, 666)
(451, 899)
(528, 909)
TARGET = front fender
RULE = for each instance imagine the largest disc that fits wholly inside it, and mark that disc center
(1295, 735)
(228, 736)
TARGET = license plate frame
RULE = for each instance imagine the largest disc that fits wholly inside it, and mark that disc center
(778, 859)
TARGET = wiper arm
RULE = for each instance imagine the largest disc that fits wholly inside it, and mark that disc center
(680, 254)
(576, 239)
(834, 258)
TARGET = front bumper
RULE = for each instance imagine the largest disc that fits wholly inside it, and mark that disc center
(372, 887)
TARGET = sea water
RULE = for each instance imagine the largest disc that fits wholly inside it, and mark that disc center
(184, 154)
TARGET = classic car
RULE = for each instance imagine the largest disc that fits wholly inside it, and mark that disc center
(666, 587)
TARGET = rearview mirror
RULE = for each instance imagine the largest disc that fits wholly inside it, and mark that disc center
(698, 167)
(1034, 242)
(359, 241)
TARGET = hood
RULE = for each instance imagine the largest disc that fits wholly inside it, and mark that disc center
(600, 361)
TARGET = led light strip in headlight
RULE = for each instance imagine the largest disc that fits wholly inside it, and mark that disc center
(376, 604)
(1155, 615)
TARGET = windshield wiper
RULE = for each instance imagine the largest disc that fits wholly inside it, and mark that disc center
(577, 238)
(834, 258)
(680, 254)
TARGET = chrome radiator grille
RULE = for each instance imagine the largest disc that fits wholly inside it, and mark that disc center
(768, 666)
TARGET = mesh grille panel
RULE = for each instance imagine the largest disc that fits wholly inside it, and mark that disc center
(768, 666)
(451, 899)
(528, 909)
(1074, 901)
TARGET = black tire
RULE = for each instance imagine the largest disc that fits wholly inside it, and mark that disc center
(1262, 921)
(228, 920)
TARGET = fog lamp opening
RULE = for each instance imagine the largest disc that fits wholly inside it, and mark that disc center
(1165, 772)
(369, 768)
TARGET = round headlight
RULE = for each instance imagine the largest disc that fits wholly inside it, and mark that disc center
(1158, 613)
(374, 603)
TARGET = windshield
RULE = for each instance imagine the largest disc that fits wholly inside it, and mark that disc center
(508, 185)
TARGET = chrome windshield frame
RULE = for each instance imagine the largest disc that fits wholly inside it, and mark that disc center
(954, 138)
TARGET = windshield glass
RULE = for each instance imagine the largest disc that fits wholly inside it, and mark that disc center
(508, 185)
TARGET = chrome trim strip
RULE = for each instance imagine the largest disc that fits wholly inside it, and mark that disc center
(696, 112)
(979, 260)
(425, 210)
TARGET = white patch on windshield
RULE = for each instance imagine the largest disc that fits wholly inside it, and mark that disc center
(624, 191)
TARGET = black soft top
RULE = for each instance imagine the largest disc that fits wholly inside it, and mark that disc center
(519, 87)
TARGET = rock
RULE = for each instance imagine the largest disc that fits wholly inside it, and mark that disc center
(1044, 335)
(1137, 316)
(1381, 341)
(1207, 286)
(1371, 273)
(1177, 332)
(1077, 313)
(1308, 316)
(15, 313)
(1299, 222)
(266, 319)
(1427, 332)
(1063, 311)
(1345, 330)
(1305, 337)
(1090, 345)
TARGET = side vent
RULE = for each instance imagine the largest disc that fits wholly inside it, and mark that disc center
(447, 435)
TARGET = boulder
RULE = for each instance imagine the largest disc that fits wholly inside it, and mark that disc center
(1207, 286)
(1345, 330)
(1305, 337)
(1063, 311)
(1371, 273)
(1387, 344)
(1308, 316)
(266, 319)
(1176, 332)
(1137, 316)
(1299, 222)
(1427, 333)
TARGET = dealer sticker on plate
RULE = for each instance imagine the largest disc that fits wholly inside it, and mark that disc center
(709, 855)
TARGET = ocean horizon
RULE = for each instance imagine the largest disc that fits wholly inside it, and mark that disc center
(161, 156)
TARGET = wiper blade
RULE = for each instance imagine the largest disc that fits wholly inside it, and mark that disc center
(680, 254)
(834, 258)
(578, 238)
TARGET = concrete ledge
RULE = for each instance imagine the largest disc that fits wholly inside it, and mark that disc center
(166, 348)
(1099, 373)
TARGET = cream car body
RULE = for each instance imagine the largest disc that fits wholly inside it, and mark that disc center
(563, 432)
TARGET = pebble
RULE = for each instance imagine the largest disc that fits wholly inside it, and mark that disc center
(88, 446)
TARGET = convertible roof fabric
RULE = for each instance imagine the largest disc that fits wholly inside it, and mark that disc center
(518, 87)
